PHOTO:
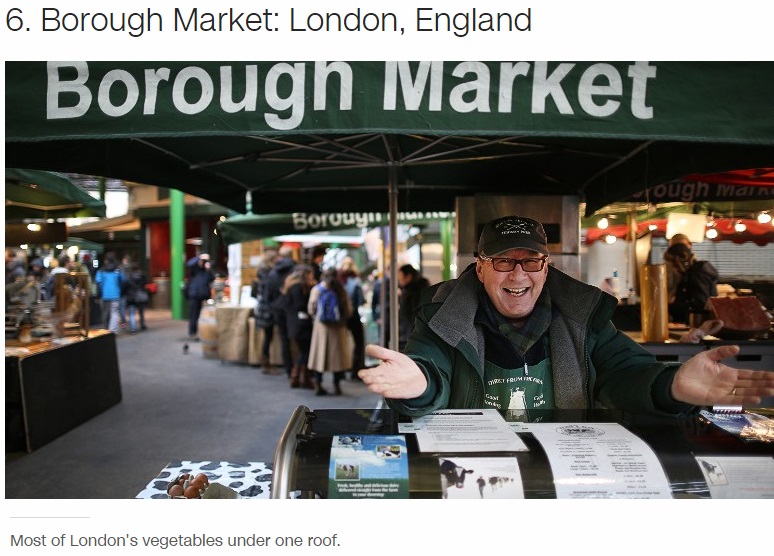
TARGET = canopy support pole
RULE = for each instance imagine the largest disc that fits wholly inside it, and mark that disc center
(176, 250)
(393, 291)
(446, 242)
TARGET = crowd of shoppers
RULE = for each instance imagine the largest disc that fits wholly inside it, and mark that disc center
(117, 292)
(317, 307)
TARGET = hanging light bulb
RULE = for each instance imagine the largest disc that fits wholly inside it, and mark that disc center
(610, 239)
(739, 227)
(603, 223)
(711, 233)
(652, 227)
(764, 217)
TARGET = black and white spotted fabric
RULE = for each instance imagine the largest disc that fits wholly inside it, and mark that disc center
(249, 479)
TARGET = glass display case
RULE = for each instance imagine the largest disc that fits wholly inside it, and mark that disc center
(302, 459)
(71, 304)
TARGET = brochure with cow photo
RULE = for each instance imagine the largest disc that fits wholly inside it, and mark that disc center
(731, 477)
(480, 478)
(368, 466)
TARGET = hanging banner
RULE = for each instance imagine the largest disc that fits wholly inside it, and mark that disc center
(625, 100)
(697, 191)
(246, 227)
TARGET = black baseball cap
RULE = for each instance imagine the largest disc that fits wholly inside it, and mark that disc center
(512, 232)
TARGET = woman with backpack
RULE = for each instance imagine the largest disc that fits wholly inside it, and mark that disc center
(330, 349)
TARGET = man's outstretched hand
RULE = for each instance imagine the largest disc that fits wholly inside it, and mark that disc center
(397, 376)
(704, 380)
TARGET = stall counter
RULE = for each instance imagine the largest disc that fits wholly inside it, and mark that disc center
(53, 386)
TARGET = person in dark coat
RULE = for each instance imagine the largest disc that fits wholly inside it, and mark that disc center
(697, 281)
(381, 314)
(349, 276)
(318, 256)
(137, 297)
(264, 317)
(297, 287)
(197, 291)
(411, 284)
(283, 266)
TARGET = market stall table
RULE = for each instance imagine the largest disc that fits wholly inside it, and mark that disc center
(753, 354)
(53, 386)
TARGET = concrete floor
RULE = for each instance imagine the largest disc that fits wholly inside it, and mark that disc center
(174, 407)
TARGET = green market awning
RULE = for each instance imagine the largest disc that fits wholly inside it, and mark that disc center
(314, 136)
(246, 227)
(34, 194)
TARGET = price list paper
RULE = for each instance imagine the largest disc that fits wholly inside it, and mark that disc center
(600, 460)
(464, 430)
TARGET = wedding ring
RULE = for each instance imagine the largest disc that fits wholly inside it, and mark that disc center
(733, 392)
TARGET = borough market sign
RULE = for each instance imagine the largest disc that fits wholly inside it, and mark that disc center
(567, 98)
(294, 133)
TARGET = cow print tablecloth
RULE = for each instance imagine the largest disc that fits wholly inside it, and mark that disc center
(250, 479)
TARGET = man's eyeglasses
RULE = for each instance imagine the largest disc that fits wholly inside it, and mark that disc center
(502, 264)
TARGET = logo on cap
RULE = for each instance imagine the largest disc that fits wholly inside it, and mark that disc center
(513, 226)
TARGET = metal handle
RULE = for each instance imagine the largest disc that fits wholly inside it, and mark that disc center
(282, 472)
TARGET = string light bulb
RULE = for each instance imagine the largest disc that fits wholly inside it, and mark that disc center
(610, 239)
(603, 223)
(764, 217)
(739, 226)
(711, 233)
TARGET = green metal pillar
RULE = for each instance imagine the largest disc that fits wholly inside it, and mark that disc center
(446, 243)
(176, 250)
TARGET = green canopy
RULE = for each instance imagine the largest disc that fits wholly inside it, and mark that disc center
(34, 194)
(315, 136)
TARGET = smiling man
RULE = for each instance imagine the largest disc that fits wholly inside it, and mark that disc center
(514, 333)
